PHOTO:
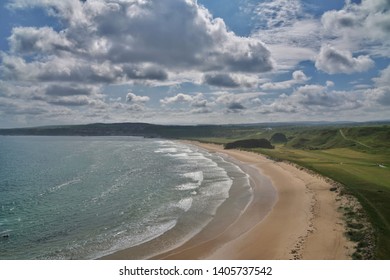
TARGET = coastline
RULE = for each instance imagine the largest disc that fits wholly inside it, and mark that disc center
(293, 215)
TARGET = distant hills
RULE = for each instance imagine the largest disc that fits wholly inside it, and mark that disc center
(307, 135)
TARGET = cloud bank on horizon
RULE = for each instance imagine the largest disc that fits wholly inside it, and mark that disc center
(190, 62)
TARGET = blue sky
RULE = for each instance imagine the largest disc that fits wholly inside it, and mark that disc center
(193, 62)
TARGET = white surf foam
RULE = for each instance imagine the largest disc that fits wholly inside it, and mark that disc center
(166, 150)
(185, 204)
(60, 186)
(196, 176)
(188, 186)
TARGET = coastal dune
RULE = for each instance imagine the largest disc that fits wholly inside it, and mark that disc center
(302, 223)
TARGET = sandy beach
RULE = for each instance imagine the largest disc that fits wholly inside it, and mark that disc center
(293, 215)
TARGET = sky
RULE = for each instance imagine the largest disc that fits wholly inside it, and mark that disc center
(193, 62)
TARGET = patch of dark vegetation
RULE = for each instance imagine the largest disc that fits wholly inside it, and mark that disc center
(357, 256)
(250, 144)
(355, 225)
(355, 235)
(363, 244)
(278, 138)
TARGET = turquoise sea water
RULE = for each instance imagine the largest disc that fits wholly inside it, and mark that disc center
(85, 197)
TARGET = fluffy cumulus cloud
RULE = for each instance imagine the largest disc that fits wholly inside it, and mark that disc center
(133, 98)
(179, 98)
(191, 103)
(293, 34)
(198, 100)
(315, 99)
(315, 95)
(136, 40)
(236, 103)
(332, 61)
(360, 23)
(381, 93)
(68, 95)
(298, 77)
(32, 40)
(220, 80)
(384, 78)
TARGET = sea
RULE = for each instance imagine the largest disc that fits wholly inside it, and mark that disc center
(71, 197)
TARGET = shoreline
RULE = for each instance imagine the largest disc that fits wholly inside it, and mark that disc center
(293, 215)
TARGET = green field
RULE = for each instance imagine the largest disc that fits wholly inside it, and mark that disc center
(357, 157)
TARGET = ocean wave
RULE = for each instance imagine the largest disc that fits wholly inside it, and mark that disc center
(150, 232)
(187, 186)
(165, 142)
(166, 150)
(185, 204)
(60, 186)
(7, 231)
(218, 189)
(180, 155)
(186, 150)
(109, 243)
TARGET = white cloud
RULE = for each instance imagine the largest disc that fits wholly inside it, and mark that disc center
(314, 95)
(360, 26)
(69, 10)
(31, 40)
(179, 98)
(277, 13)
(136, 107)
(298, 77)
(317, 99)
(200, 102)
(235, 103)
(332, 61)
(197, 101)
(146, 32)
(293, 35)
(384, 78)
(290, 33)
(133, 98)
(380, 95)
(329, 84)
(220, 80)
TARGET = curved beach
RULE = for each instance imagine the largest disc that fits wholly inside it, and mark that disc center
(293, 215)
